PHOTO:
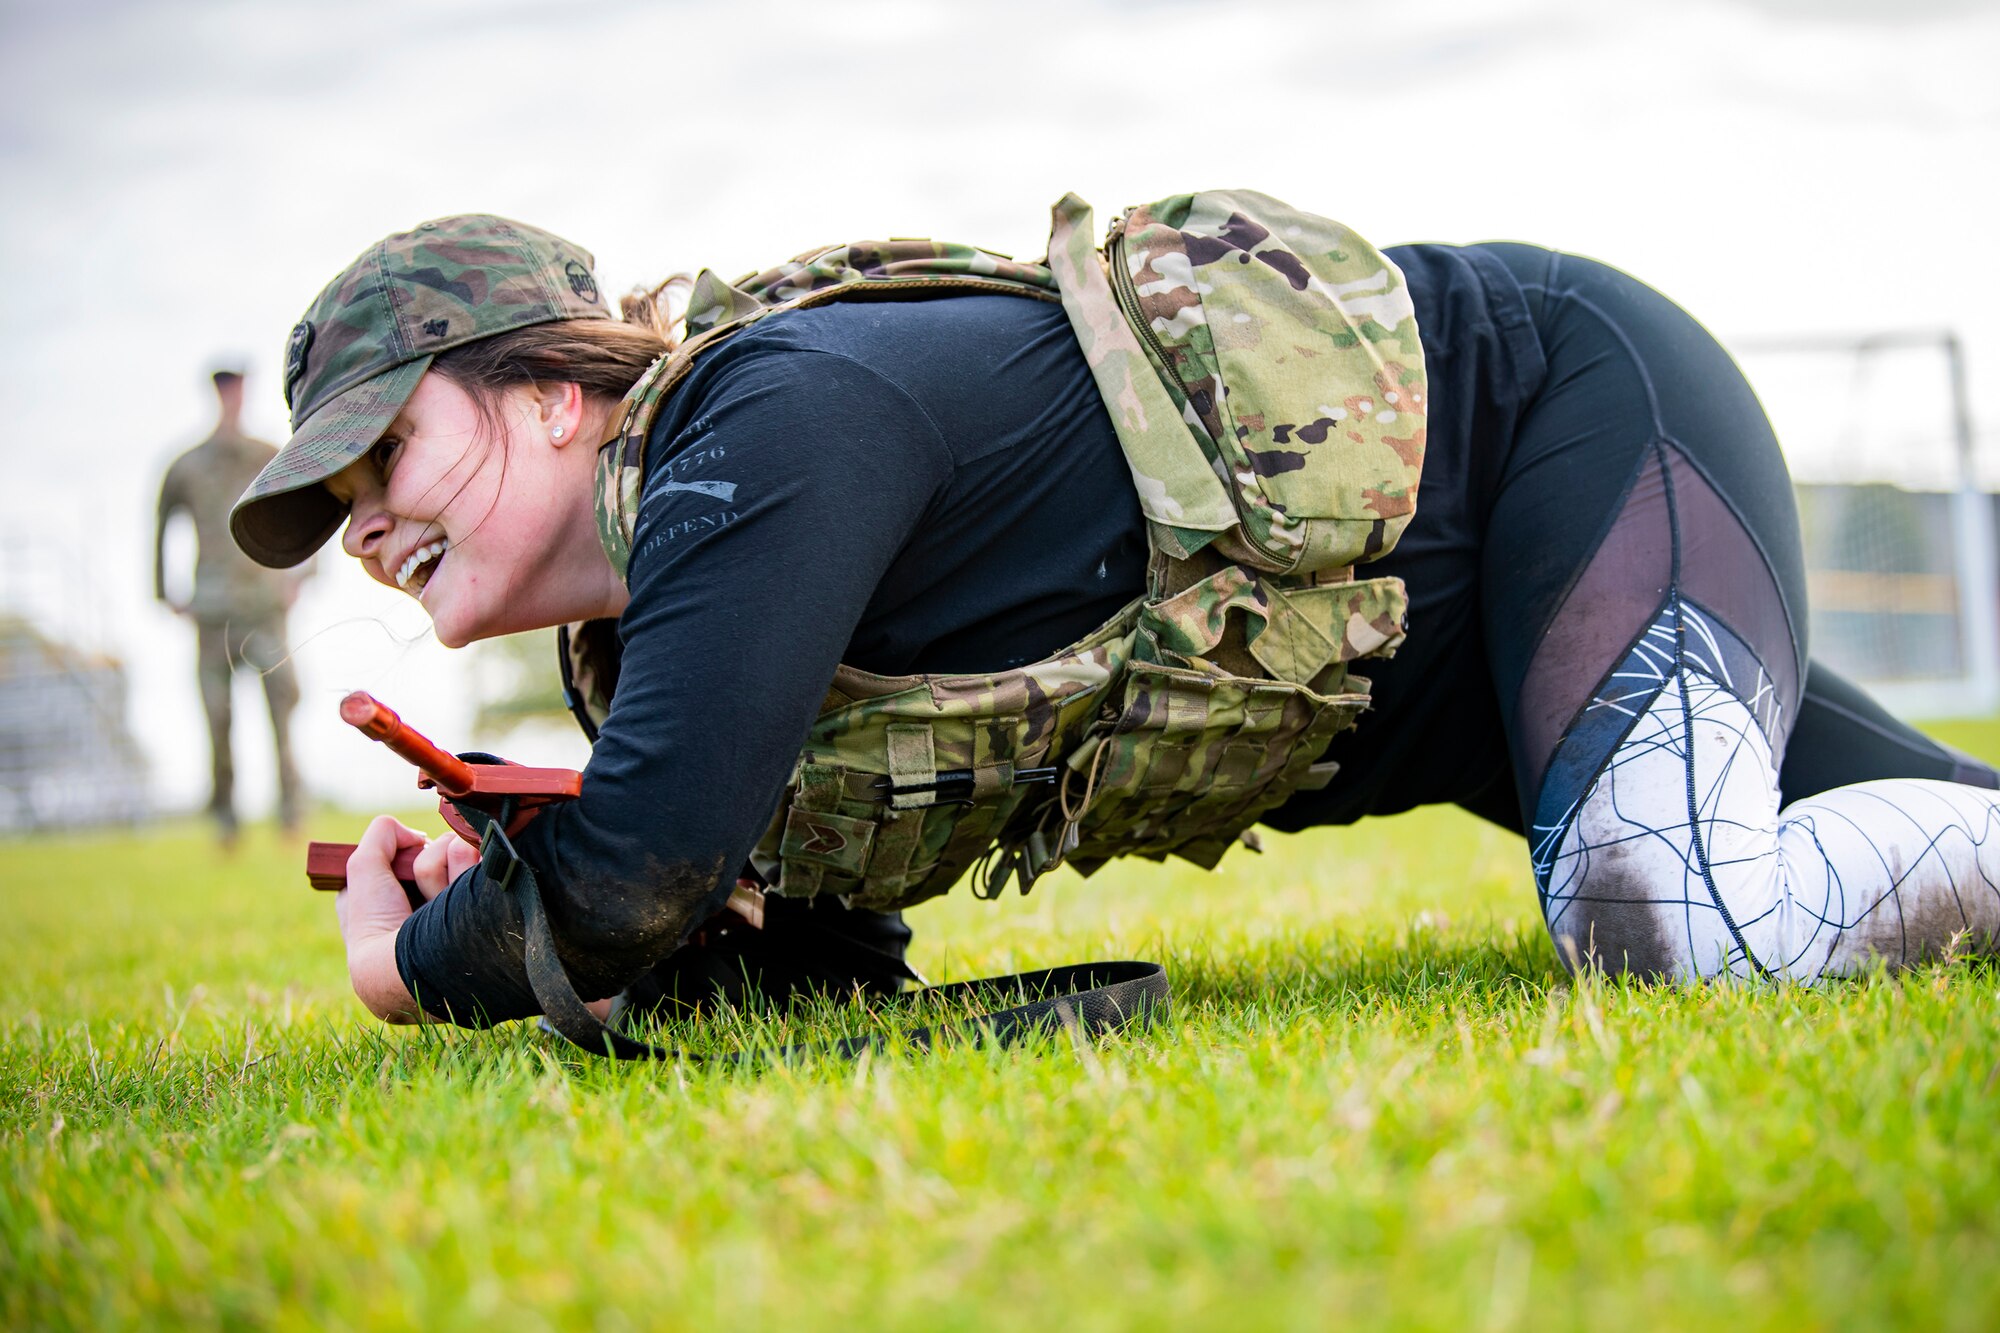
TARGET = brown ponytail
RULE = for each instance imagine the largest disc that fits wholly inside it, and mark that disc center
(662, 309)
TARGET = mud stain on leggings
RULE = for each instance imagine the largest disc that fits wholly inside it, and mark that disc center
(1920, 923)
(613, 928)
(1616, 921)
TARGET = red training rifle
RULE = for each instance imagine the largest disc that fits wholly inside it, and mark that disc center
(496, 787)
(492, 787)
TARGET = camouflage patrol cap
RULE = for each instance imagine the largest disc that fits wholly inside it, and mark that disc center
(366, 340)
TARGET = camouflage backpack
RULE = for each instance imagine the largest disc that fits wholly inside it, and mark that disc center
(1262, 368)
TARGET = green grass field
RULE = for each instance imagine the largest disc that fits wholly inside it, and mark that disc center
(1379, 1102)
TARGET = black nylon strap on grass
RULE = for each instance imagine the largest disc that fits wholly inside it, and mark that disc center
(1088, 998)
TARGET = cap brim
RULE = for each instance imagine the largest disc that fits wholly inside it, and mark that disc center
(286, 514)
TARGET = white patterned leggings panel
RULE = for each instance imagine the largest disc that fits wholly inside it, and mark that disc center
(1677, 861)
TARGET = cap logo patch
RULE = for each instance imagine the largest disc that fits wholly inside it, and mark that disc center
(296, 348)
(436, 328)
(580, 280)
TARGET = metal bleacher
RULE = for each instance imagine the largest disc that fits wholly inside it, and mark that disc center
(67, 756)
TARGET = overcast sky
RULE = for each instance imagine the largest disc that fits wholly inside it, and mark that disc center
(180, 179)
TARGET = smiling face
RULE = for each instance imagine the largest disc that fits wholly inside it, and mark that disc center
(485, 518)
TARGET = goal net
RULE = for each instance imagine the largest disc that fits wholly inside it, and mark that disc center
(1898, 513)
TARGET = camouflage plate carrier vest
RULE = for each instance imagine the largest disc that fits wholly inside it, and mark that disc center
(1262, 368)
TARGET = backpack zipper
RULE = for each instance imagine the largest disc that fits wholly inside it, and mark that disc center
(1127, 296)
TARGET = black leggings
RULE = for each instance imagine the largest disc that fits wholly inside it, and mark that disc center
(1686, 778)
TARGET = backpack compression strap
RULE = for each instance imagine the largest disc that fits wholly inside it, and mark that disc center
(1089, 997)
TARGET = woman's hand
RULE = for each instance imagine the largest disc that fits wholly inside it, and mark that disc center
(373, 907)
(443, 859)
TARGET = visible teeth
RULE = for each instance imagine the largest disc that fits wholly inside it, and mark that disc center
(420, 557)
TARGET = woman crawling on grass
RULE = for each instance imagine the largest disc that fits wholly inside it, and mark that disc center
(871, 594)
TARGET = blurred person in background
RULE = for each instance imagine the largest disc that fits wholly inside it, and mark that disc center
(238, 606)
(821, 560)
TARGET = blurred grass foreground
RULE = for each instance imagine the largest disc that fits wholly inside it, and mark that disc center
(1378, 1102)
